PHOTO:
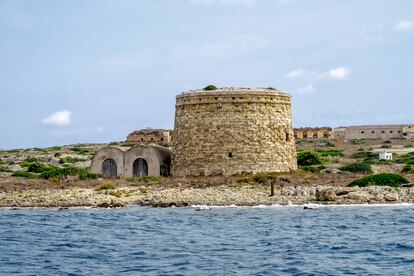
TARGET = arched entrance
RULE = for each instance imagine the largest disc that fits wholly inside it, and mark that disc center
(140, 167)
(109, 168)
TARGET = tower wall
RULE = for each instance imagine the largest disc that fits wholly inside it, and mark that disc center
(230, 131)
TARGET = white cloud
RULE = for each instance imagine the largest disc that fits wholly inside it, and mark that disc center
(339, 73)
(308, 89)
(243, 3)
(404, 25)
(298, 73)
(60, 118)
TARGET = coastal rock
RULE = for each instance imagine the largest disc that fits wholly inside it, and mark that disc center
(391, 197)
(327, 194)
(359, 196)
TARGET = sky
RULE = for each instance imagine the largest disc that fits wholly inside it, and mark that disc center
(88, 71)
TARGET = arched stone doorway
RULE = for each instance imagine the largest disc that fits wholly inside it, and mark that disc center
(109, 168)
(140, 167)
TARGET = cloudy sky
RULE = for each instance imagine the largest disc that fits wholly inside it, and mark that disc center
(94, 70)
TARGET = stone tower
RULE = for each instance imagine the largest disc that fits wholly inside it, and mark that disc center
(233, 130)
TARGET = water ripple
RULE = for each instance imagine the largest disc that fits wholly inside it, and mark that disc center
(218, 241)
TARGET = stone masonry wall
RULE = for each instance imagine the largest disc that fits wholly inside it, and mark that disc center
(230, 131)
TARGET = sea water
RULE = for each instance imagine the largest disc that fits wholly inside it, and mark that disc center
(200, 240)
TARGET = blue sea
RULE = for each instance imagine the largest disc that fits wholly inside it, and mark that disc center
(277, 240)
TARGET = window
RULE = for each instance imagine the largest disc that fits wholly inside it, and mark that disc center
(383, 131)
(142, 139)
(162, 139)
(390, 131)
(362, 132)
(372, 132)
(233, 98)
(152, 139)
(399, 131)
(230, 154)
(287, 137)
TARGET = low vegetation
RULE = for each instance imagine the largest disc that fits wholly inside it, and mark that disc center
(313, 169)
(364, 154)
(70, 159)
(24, 174)
(41, 170)
(82, 151)
(382, 179)
(105, 186)
(331, 152)
(408, 169)
(357, 167)
(309, 158)
(210, 87)
(406, 158)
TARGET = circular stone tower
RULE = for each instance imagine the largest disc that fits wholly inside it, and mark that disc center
(233, 130)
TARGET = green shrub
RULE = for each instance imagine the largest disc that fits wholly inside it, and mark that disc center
(37, 167)
(31, 159)
(210, 87)
(113, 143)
(24, 174)
(406, 158)
(3, 162)
(357, 167)
(55, 172)
(106, 186)
(149, 178)
(387, 142)
(72, 160)
(408, 146)
(80, 150)
(335, 153)
(362, 154)
(14, 150)
(382, 179)
(25, 164)
(408, 169)
(260, 177)
(308, 158)
(356, 141)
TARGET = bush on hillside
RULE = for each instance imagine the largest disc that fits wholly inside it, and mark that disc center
(24, 174)
(105, 186)
(408, 169)
(364, 155)
(357, 167)
(333, 152)
(406, 158)
(382, 179)
(37, 167)
(309, 158)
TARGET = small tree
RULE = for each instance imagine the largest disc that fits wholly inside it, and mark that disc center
(309, 158)
(210, 87)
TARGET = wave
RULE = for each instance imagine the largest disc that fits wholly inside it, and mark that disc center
(305, 206)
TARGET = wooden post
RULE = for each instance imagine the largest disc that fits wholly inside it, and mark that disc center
(272, 187)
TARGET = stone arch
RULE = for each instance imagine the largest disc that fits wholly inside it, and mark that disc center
(140, 167)
(114, 153)
(109, 168)
(158, 159)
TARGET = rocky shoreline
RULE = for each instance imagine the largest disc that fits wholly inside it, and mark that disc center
(222, 195)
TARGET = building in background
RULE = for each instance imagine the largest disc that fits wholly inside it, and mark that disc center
(313, 133)
(150, 135)
(379, 132)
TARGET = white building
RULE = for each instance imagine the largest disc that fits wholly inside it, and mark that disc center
(385, 155)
